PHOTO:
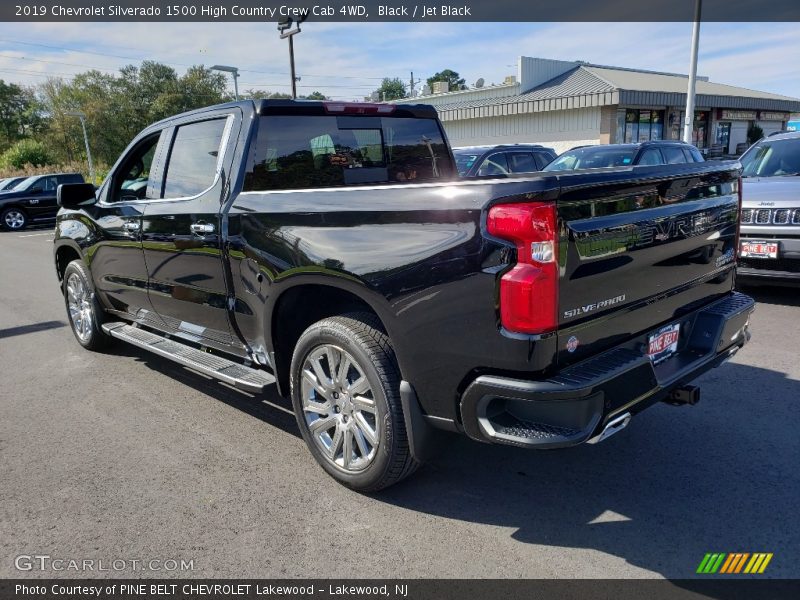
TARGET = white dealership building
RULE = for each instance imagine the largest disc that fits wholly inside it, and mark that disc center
(563, 104)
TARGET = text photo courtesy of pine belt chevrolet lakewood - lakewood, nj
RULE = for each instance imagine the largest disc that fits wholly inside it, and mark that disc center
(399, 300)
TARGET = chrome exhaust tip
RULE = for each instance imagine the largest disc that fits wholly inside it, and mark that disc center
(615, 425)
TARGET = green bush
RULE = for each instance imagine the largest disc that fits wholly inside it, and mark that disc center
(26, 152)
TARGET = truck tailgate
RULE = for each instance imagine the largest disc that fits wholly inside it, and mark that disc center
(634, 255)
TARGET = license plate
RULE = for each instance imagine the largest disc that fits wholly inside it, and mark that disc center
(758, 250)
(663, 343)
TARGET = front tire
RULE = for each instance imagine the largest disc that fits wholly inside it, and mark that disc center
(83, 308)
(14, 219)
(345, 388)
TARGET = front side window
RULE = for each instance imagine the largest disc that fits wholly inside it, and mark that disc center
(134, 179)
(47, 184)
(293, 152)
(192, 165)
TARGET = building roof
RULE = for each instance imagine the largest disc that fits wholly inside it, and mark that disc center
(646, 81)
(588, 84)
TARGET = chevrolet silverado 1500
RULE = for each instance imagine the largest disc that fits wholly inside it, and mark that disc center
(330, 249)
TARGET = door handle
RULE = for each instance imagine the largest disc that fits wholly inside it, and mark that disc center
(202, 228)
(131, 226)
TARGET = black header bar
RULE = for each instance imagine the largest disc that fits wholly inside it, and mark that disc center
(401, 10)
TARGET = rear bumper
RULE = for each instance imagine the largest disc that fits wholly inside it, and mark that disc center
(576, 405)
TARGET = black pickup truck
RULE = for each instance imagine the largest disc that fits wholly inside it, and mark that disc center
(331, 250)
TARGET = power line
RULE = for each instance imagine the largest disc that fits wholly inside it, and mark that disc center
(55, 62)
(106, 55)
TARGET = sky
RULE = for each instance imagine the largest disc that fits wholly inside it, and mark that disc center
(348, 60)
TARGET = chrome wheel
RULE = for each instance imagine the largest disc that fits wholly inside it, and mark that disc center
(339, 408)
(14, 219)
(80, 305)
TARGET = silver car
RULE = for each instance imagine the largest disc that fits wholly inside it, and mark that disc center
(769, 248)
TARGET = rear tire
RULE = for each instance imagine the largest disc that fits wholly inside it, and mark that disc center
(345, 388)
(83, 309)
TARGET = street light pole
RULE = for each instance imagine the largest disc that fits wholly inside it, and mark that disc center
(688, 123)
(82, 117)
(234, 72)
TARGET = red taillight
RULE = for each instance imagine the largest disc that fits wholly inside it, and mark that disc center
(529, 291)
(358, 108)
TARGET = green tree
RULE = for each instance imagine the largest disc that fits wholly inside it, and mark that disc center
(391, 89)
(26, 152)
(316, 96)
(265, 95)
(454, 79)
(754, 133)
(20, 113)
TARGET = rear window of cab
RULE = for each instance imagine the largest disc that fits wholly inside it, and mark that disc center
(294, 152)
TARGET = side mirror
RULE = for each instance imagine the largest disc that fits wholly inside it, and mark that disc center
(75, 195)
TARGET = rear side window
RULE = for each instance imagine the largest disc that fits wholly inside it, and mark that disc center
(693, 154)
(651, 157)
(521, 162)
(673, 155)
(496, 164)
(542, 159)
(293, 152)
(193, 159)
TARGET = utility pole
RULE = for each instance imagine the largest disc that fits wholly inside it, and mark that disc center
(82, 117)
(285, 27)
(688, 123)
(411, 86)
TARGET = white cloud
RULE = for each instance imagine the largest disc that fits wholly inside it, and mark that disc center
(348, 59)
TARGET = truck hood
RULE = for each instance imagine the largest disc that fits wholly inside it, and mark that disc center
(12, 195)
(777, 192)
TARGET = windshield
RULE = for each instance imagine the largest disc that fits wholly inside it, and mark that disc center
(464, 160)
(772, 159)
(592, 158)
(25, 184)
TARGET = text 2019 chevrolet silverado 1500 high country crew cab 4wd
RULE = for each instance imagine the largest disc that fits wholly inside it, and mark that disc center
(330, 249)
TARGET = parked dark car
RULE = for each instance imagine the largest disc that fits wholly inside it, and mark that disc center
(330, 249)
(33, 200)
(9, 183)
(497, 161)
(769, 249)
(622, 155)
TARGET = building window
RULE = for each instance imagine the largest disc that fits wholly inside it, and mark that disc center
(699, 131)
(639, 125)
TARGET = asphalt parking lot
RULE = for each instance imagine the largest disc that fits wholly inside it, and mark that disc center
(128, 456)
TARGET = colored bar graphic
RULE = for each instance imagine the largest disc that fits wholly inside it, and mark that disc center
(728, 562)
(734, 562)
(765, 563)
